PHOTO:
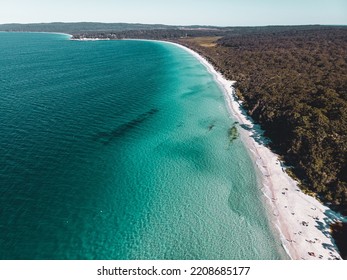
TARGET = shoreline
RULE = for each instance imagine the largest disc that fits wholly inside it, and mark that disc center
(302, 222)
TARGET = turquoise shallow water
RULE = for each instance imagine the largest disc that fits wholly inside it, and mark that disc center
(120, 150)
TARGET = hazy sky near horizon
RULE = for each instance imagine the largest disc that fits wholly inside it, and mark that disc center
(178, 12)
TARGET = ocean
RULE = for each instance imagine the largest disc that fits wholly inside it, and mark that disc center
(121, 150)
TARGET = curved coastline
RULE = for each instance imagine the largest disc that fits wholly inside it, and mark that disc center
(302, 221)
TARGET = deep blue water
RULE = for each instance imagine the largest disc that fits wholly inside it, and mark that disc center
(120, 150)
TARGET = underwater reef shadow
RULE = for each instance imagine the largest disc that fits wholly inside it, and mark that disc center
(107, 137)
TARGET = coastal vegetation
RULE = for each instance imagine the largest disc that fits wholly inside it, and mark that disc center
(98, 28)
(292, 80)
(339, 232)
(294, 84)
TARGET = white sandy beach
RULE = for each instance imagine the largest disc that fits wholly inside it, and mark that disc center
(302, 221)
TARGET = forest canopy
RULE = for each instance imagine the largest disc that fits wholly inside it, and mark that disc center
(294, 84)
(292, 81)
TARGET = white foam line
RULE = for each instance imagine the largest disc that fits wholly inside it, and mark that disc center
(302, 221)
(293, 206)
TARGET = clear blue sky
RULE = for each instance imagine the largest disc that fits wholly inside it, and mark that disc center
(180, 12)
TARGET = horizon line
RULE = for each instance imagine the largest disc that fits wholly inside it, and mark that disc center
(172, 25)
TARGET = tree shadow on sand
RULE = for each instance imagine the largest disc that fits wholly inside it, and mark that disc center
(325, 227)
(255, 130)
(256, 133)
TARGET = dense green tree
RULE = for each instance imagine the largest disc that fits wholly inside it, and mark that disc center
(294, 84)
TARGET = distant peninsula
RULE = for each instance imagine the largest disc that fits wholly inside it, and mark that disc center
(291, 80)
